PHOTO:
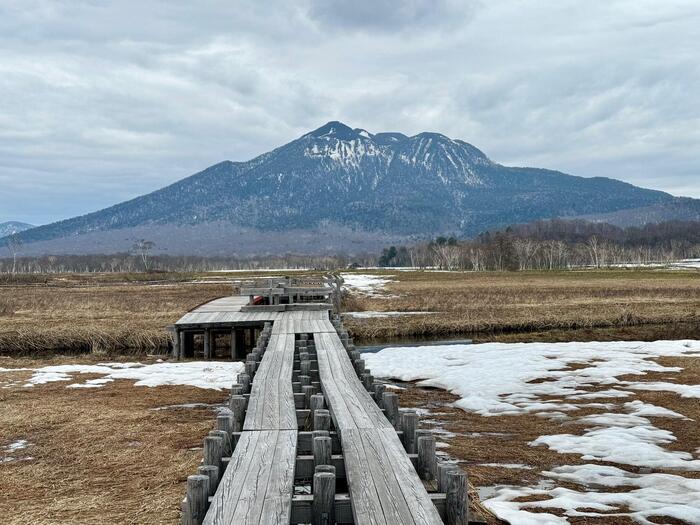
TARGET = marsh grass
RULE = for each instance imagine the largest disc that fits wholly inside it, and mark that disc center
(70, 316)
(526, 302)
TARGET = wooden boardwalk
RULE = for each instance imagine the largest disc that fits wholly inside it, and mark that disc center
(313, 420)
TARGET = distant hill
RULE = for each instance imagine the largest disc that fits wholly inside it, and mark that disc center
(338, 189)
(8, 228)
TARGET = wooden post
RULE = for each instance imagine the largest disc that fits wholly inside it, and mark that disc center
(322, 420)
(234, 354)
(226, 450)
(214, 451)
(379, 389)
(457, 499)
(409, 423)
(305, 368)
(237, 406)
(224, 421)
(443, 468)
(323, 504)
(390, 403)
(308, 392)
(250, 368)
(176, 344)
(360, 367)
(244, 381)
(304, 381)
(427, 461)
(183, 345)
(207, 343)
(367, 380)
(212, 473)
(322, 450)
(197, 500)
(317, 402)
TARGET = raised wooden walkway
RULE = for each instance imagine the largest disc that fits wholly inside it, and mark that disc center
(307, 417)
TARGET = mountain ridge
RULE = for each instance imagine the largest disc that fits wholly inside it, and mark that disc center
(349, 180)
(12, 227)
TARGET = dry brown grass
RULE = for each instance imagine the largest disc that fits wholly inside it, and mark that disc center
(100, 455)
(488, 303)
(95, 317)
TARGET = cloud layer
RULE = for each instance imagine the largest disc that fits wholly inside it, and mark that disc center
(102, 101)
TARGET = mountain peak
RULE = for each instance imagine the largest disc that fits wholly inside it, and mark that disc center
(337, 130)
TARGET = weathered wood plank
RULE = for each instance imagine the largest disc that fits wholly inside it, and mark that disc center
(258, 484)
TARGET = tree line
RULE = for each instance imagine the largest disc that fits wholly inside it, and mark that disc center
(543, 245)
(553, 245)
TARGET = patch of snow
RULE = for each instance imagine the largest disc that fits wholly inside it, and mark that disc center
(201, 374)
(375, 315)
(185, 405)
(554, 380)
(515, 466)
(649, 495)
(20, 444)
(629, 445)
(498, 378)
(682, 390)
(366, 284)
(640, 408)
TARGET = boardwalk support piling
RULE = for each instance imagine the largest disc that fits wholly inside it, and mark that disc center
(322, 451)
(322, 420)
(427, 462)
(211, 472)
(442, 470)
(390, 402)
(323, 506)
(214, 451)
(197, 500)
(457, 501)
(227, 449)
(237, 405)
(409, 423)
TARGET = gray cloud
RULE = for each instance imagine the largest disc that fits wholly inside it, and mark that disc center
(103, 101)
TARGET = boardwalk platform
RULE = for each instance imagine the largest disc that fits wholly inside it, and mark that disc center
(313, 420)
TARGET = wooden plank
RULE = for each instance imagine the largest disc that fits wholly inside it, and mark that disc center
(258, 485)
(271, 404)
(366, 507)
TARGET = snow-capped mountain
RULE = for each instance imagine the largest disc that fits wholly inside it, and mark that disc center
(11, 227)
(338, 188)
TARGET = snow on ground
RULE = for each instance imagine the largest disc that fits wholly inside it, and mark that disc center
(374, 315)
(496, 378)
(366, 284)
(556, 380)
(200, 374)
(10, 449)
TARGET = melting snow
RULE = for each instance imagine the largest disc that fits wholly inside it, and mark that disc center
(20, 444)
(200, 374)
(554, 380)
(365, 283)
(648, 495)
(499, 378)
(373, 314)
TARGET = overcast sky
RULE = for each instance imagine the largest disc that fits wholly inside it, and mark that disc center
(103, 101)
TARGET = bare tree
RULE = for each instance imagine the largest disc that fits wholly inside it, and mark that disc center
(142, 248)
(14, 244)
